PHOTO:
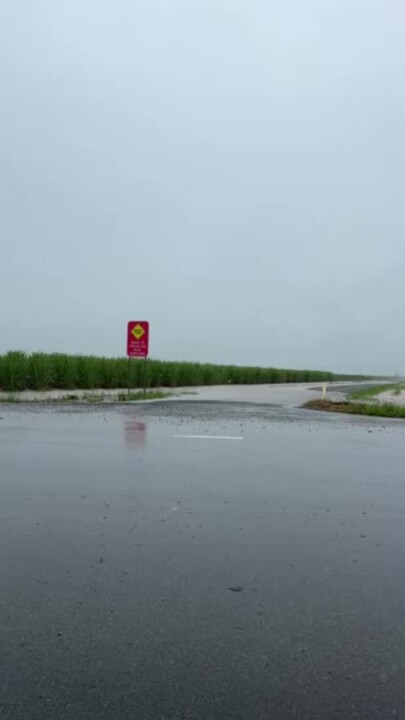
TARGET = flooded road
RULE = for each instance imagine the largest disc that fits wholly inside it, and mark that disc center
(200, 561)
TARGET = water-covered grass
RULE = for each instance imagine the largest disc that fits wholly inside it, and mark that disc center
(45, 371)
(141, 396)
(357, 408)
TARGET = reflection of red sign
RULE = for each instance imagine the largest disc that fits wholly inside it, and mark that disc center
(135, 434)
(138, 338)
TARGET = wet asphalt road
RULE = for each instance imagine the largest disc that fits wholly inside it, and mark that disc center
(150, 576)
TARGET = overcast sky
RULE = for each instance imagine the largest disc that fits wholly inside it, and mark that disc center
(231, 171)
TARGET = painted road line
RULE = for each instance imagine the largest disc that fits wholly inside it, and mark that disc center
(209, 437)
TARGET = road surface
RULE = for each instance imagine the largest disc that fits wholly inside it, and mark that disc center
(200, 561)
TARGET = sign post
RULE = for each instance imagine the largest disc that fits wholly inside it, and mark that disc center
(138, 345)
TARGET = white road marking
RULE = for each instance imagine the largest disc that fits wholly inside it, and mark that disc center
(209, 437)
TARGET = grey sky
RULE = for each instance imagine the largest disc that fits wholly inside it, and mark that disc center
(231, 171)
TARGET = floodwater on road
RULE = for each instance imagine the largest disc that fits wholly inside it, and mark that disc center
(200, 561)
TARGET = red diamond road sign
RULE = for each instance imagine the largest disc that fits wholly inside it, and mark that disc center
(138, 338)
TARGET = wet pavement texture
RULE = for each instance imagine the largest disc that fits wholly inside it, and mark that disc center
(150, 575)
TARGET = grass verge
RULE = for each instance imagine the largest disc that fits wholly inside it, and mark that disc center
(377, 390)
(87, 398)
(357, 408)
